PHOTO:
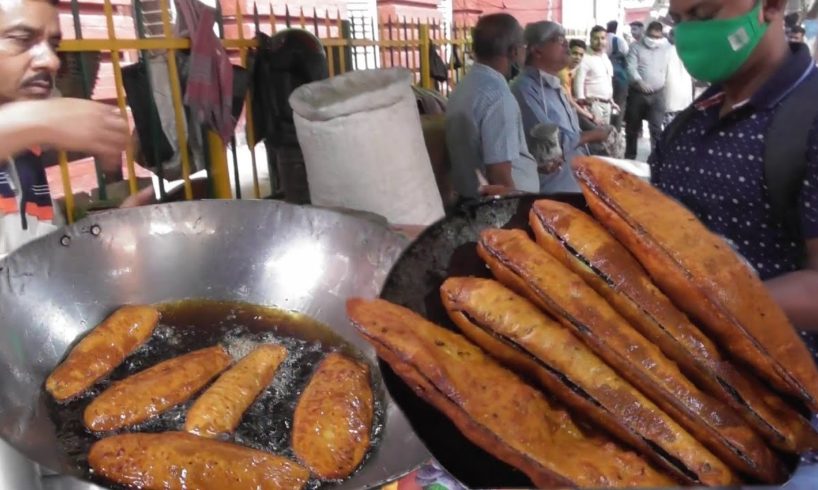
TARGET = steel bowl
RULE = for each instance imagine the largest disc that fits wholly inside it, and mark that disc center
(304, 259)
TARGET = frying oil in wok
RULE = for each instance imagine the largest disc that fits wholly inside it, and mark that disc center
(195, 324)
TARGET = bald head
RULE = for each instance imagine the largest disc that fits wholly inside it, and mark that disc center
(496, 35)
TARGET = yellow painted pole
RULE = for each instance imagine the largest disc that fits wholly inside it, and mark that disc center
(68, 193)
(342, 51)
(425, 68)
(120, 95)
(272, 20)
(219, 172)
(303, 20)
(248, 111)
(176, 96)
(151, 44)
(330, 49)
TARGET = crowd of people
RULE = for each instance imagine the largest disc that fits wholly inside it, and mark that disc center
(573, 94)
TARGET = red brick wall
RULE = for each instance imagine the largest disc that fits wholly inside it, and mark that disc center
(525, 11)
(93, 26)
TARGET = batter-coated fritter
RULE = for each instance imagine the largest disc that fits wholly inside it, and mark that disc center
(702, 274)
(333, 419)
(516, 332)
(181, 461)
(102, 350)
(220, 408)
(148, 393)
(586, 248)
(524, 266)
(492, 407)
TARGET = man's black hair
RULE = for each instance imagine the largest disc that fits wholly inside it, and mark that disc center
(655, 26)
(596, 29)
(637, 23)
(577, 43)
(495, 35)
(613, 26)
(798, 30)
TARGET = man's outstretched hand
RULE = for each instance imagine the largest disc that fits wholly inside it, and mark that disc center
(81, 125)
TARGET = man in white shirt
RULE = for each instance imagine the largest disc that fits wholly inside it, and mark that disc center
(618, 54)
(678, 86)
(593, 83)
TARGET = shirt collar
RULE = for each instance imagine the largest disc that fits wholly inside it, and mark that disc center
(794, 70)
(489, 70)
(552, 81)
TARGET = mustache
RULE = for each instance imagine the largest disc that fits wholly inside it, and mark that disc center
(39, 79)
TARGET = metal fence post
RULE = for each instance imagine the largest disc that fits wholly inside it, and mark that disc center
(425, 64)
(347, 61)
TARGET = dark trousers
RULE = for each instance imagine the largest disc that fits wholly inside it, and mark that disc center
(620, 97)
(640, 107)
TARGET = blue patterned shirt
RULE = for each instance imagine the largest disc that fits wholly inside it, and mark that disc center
(484, 127)
(715, 167)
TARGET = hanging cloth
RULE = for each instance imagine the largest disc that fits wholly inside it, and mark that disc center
(209, 90)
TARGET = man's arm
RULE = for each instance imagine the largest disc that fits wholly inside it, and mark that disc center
(94, 128)
(623, 46)
(500, 179)
(19, 130)
(579, 80)
(633, 64)
(597, 135)
(582, 111)
(797, 292)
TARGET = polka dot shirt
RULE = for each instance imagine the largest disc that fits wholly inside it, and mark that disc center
(715, 167)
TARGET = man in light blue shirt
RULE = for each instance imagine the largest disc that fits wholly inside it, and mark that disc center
(484, 129)
(543, 100)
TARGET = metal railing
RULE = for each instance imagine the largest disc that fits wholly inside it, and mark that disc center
(349, 43)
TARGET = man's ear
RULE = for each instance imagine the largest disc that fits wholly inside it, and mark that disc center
(514, 52)
(772, 10)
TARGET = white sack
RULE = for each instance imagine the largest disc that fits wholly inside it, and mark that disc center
(363, 146)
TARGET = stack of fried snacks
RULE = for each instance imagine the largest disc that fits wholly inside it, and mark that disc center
(638, 320)
(493, 407)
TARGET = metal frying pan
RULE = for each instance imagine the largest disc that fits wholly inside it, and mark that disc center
(304, 259)
(448, 248)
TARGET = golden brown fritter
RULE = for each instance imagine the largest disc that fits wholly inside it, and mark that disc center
(181, 461)
(148, 393)
(102, 350)
(492, 407)
(332, 424)
(220, 408)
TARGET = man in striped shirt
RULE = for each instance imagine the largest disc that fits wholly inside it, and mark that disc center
(484, 128)
(31, 121)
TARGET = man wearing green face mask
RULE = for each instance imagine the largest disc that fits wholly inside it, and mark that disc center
(744, 156)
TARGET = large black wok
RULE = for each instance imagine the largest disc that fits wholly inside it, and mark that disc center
(445, 249)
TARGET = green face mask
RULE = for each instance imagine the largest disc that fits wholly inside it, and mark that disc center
(714, 50)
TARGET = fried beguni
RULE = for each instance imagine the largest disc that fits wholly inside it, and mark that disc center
(521, 336)
(220, 408)
(492, 407)
(586, 248)
(148, 393)
(524, 266)
(102, 350)
(332, 423)
(179, 461)
(701, 274)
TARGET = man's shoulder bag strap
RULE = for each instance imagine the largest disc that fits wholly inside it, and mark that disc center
(785, 154)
